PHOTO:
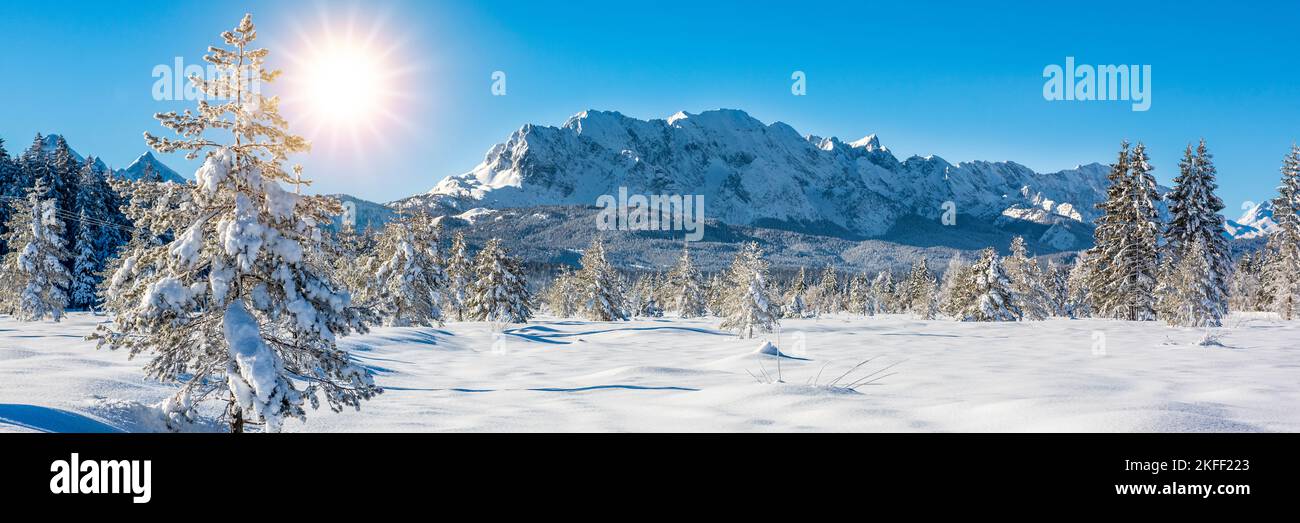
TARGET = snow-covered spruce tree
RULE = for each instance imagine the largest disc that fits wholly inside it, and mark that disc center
(9, 183)
(882, 293)
(561, 296)
(1028, 289)
(230, 305)
(951, 302)
(1122, 275)
(412, 285)
(85, 264)
(642, 301)
(1056, 282)
(991, 290)
(826, 296)
(917, 292)
(714, 295)
(38, 280)
(858, 297)
(460, 273)
(1078, 303)
(1282, 269)
(796, 303)
(499, 292)
(600, 288)
(748, 304)
(685, 290)
(1194, 216)
(99, 232)
(1245, 285)
(1190, 302)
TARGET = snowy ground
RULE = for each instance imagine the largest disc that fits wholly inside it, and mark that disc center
(684, 375)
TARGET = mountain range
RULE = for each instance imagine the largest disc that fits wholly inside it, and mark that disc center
(814, 200)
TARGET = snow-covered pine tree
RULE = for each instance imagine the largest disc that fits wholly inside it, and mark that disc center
(1028, 290)
(685, 290)
(9, 183)
(85, 264)
(1194, 216)
(409, 276)
(917, 293)
(642, 300)
(796, 303)
(826, 296)
(230, 305)
(499, 292)
(38, 280)
(1078, 303)
(1191, 302)
(1056, 281)
(1245, 285)
(991, 289)
(714, 295)
(1122, 275)
(561, 296)
(600, 288)
(1282, 269)
(748, 304)
(858, 297)
(97, 236)
(951, 302)
(882, 293)
(460, 273)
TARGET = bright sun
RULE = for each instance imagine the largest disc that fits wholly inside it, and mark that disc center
(343, 82)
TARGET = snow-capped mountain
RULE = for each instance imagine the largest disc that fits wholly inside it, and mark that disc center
(146, 161)
(768, 175)
(50, 142)
(1256, 222)
(148, 164)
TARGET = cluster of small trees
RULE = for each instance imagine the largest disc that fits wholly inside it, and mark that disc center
(1139, 269)
(59, 226)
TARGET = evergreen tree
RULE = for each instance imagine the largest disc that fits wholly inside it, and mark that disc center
(858, 297)
(715, 295)
(1057, 284)
(1078, 291)
(686, 293)
(882, 293)
(499, 292)
(38, 280)
(796, 304)
(85, 264)
(748, 304)
(951, 302)
(9, 184)
(1191, 302)
(991, 289)
(1028, 290)
(642, 300)
(917, 293)
(826, 297)
(1282, 272)
(460, 272)
(1122, 275)
(409, 278)
(1194, 217)
(561, 297)
(1245, 286)
(230, 305)
(600, 288)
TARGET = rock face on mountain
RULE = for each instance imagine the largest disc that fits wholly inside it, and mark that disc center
(1255, 222)
(149, 166)
(768, 175)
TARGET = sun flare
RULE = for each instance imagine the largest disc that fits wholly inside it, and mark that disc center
(344, 82)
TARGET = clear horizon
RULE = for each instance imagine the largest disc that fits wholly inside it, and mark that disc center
(960, 82)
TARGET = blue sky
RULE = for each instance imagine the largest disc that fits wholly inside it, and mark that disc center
(960, 81)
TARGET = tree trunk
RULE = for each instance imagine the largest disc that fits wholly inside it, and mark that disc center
(236, 417)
